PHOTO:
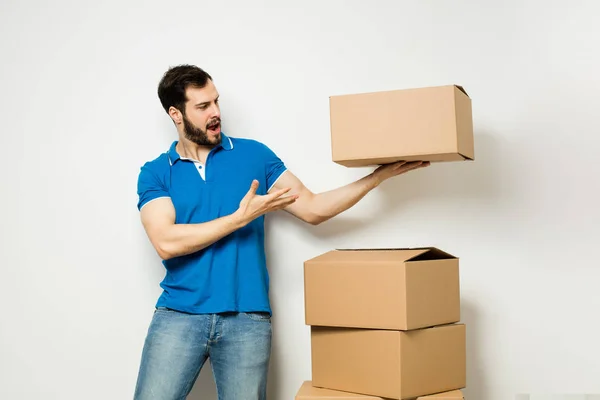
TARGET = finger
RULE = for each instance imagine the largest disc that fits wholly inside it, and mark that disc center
(281, 206)
(414, 166)
(404, 164)
(407, 166)
(398, 164)
(252, 191)
(284, 201)
(410, 167)
(278, 193)
(253, 187)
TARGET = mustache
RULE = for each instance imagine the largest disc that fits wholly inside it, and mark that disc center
(214, 121)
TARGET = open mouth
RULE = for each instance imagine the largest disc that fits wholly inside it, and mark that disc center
(214, 126)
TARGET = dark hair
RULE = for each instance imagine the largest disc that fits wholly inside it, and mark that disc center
(172, 86)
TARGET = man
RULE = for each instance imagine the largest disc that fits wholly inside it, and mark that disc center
(202, 204)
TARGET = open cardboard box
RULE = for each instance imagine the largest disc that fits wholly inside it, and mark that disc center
(398, 289)
(429, 124)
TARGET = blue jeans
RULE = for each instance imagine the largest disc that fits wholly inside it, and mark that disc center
(178, 344)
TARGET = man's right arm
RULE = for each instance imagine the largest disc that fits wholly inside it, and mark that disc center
(173, 240)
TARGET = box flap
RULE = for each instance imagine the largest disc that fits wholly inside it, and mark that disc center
(465, 157)
(462, 89)
(308, 391)
(432, 253)
(453, 395)
(391, 254)
(396, 255)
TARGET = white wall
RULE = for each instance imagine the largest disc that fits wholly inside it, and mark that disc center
(80, 115)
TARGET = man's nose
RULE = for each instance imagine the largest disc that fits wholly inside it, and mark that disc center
(216, 111)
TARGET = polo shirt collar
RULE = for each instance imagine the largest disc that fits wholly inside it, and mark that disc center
(226, 144)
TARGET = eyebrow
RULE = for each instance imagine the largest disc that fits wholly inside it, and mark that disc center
(207, 102)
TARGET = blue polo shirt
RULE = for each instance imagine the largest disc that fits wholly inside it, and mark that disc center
(231, 274)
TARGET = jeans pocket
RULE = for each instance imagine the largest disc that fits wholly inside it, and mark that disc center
(259, 316)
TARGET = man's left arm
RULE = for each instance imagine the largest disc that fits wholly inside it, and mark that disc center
(316, 208)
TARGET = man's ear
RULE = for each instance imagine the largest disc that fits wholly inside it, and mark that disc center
(175, 115)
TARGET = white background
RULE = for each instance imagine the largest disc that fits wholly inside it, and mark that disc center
(80, 115)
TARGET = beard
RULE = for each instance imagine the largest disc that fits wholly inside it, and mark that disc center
(198, 135)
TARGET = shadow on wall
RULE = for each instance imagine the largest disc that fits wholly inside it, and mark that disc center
(476, 386)
(204, 388)
(480, 180)
(277, 364)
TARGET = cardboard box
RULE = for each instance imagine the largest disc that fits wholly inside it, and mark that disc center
(452, 395)
(387, 363)
(430, 124)
(308, 392)
(398, 289)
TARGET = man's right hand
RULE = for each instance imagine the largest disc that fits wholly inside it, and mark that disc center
(253, 206)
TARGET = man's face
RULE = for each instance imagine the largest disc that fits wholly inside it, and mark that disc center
(202, 118)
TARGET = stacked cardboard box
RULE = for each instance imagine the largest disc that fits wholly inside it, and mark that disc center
(309, 392)
(385, 323)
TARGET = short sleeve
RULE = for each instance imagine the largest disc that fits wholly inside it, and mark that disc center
(149, 187)
(274, 167)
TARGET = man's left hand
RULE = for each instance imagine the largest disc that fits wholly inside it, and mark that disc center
(389, 170)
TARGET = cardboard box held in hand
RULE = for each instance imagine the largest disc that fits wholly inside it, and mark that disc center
(422, 124)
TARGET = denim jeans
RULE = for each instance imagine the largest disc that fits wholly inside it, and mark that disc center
(178, 344)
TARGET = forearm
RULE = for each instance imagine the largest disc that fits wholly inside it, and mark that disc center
(328, 204)
(183, 239)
